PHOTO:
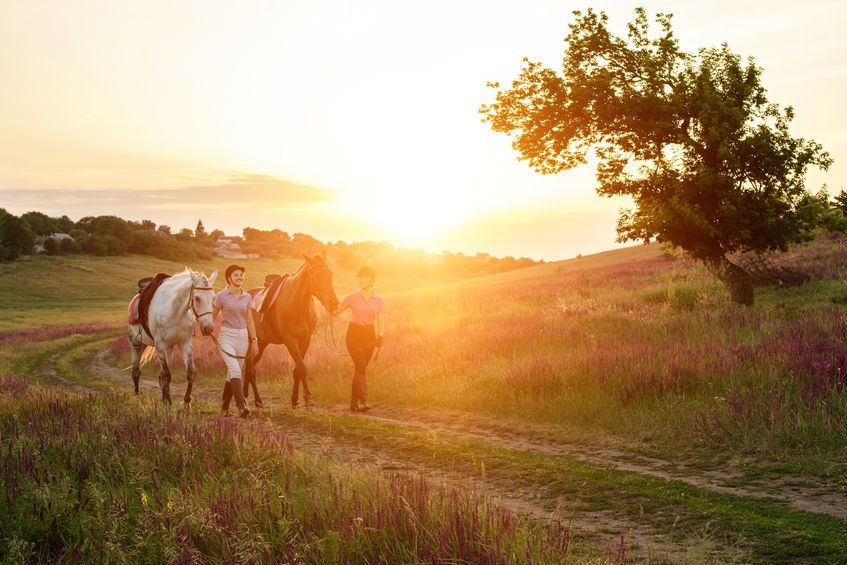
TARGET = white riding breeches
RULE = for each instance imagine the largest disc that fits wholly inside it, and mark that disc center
(234, 342)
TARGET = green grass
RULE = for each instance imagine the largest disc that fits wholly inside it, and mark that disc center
(621, 350)
(759, 528)
(40, 290)
(107, 478)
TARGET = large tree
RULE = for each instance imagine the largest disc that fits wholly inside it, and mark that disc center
(692, 138)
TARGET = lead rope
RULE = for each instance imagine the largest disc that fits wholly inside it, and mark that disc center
(333, 345)
(222, 350)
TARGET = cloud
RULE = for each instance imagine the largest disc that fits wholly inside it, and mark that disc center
(259, 189)
(239, 192)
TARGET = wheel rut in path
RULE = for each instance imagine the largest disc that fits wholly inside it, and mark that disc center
(592, 526)
(822, 499)
(791, 491)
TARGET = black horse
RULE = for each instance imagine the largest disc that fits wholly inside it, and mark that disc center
(290, 319)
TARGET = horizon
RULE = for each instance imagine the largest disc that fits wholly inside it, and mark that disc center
(347, 123)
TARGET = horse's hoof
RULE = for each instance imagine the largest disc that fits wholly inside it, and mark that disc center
(245, 413)
(258, 404)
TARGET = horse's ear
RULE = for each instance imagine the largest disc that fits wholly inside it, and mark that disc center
(307, 258)
(212, 277)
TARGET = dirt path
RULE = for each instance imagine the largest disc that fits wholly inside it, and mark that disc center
(821, 498)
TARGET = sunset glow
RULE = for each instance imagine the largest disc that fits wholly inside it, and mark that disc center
(346, 122)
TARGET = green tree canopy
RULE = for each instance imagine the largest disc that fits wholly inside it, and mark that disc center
(691, 138)
(64, 224)
(106, 225)
(16, 237)
(40, 223)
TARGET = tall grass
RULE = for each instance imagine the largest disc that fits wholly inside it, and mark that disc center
(100, 478)
(651, 349)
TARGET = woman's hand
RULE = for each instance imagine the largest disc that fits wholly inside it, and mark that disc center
(254, 348)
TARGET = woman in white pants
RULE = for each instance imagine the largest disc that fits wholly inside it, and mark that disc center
(237, 337)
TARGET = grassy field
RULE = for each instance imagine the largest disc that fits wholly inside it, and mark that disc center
(612, 408)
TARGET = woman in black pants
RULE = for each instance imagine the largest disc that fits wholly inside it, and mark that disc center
(364, 333)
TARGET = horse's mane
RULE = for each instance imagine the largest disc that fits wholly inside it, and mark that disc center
(186, 273)
(300, 295)
(182, 278)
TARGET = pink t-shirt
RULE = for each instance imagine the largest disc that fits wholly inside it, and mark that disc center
(364, 309)
(233, 310)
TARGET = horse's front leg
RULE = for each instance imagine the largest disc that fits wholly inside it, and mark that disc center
(299, 377)
(190, 371)
(303, 347)
(164, 373)
(250, 374)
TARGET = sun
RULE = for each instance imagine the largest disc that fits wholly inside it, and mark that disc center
(412, 212)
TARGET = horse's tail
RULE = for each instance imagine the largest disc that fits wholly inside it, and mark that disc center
(148, 353)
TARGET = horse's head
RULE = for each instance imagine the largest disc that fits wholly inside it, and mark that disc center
(320, 282)
(201, 297)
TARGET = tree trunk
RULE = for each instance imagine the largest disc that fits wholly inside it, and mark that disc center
(739, 281)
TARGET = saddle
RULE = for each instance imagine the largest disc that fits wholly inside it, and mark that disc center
(146, 289)
(270, 294)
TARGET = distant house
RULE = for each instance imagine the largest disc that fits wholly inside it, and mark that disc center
(483, 257)
(58, 237)
(224, 247)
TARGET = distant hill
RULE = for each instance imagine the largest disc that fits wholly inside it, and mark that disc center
(41, 290)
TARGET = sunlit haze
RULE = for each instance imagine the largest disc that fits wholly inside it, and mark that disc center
(348, 121)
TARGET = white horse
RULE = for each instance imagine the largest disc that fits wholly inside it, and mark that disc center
(180, 301)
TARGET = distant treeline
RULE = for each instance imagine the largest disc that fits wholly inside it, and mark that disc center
(35, 232)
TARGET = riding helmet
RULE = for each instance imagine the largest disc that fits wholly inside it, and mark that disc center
(366, 272)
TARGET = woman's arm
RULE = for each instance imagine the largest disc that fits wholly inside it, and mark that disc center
(252, 343)
(380, 325)
(341, 308)
(251, 326)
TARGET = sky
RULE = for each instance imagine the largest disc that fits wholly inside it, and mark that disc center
(349, 121)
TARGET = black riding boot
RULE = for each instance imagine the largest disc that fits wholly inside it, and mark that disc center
(359, 393)
(239, 397)
(227, 396)
(363, 393)
(354, 393)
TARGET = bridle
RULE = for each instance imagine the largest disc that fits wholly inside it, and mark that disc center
(310, 289)
(191, 301)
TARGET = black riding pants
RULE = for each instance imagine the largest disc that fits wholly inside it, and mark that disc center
(361, 342)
